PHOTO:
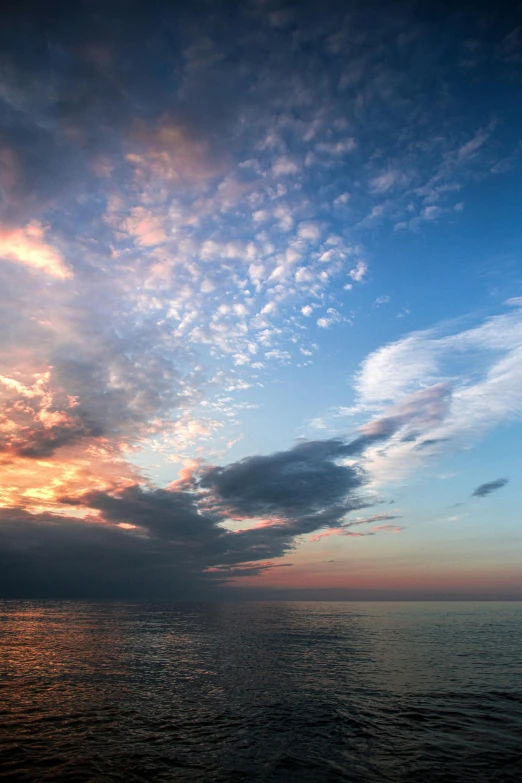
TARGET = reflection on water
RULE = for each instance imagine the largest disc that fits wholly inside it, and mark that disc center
(261, 692)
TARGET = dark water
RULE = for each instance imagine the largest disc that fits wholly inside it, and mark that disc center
(261, 692)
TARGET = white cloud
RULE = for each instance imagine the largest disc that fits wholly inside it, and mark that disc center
(337, 148)
(358, 273)
(442, 390)
(375, 212)
(284, 166)
(470, 147)
(431, 212)
(344, 198)
(309, 230)
(332, 317)
(283, 357)
(384, 182)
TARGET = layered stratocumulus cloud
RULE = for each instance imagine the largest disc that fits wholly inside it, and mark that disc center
(152, 542)
(186, 201)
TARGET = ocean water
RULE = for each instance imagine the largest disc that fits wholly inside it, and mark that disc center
(261, 692)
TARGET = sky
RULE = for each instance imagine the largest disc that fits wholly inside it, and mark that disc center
(261, 300)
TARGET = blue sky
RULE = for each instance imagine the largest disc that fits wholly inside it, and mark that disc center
(250, 252)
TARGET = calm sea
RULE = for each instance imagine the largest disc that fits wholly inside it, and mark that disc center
(261, 692)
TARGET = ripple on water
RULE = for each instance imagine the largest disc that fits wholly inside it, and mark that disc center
(261, 692)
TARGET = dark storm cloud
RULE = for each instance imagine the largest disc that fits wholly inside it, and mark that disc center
(38, 442)
(166, 514)
(491, 486)
(181, 521)
(296, 483)
(293, 492)
(49, 556)
(167, 554)
(170, 542)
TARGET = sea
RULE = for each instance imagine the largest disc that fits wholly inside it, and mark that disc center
(261, 691)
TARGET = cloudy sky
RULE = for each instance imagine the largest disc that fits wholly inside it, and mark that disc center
(261, 299)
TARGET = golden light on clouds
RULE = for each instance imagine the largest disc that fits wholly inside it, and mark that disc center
(27, 246)
(38, 485)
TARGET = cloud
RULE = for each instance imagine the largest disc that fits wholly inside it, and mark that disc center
(491, 486)
(384, 182)
(44, 556)
(388, 528)
(470, 147)
(27, 246)
(139, 540)
(170, 175)
(332, 317)
(159, 220)
(358, 273)
(170, 152)
(337, 532)
(283, 166)
(304, 485)
(434, 402)
(345, 528)
(95, 385)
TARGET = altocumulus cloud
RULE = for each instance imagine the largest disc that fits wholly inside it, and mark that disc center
(166, 188)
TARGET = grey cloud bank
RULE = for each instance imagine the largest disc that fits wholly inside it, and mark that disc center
(170, 543)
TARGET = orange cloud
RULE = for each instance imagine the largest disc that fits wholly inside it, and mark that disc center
(389, 528)
(33, 412)
(338, 531)
(27, 246)
(38, 485)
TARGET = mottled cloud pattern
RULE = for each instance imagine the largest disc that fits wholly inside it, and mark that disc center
(188, 195)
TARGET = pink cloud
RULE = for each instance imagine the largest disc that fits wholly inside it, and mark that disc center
(389, 528)
(338, 531)
(27, 246)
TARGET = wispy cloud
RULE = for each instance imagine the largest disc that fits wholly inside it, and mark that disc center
(486, 489)
(415, 385)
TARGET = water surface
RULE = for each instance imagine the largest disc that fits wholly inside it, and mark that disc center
(261, 692)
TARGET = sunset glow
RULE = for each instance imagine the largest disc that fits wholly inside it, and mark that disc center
(261, 296)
